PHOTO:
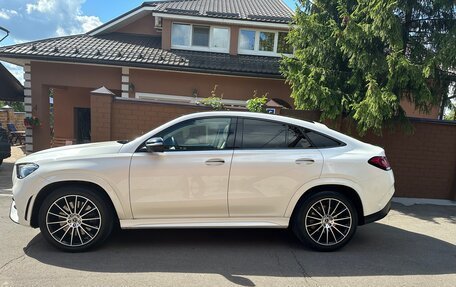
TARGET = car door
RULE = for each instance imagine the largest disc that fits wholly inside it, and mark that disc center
(272, 161)
(188, 179)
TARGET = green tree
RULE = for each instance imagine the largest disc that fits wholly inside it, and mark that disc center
(17, 106)
(361, 58)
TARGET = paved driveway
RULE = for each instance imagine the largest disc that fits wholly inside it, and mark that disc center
(413, 246)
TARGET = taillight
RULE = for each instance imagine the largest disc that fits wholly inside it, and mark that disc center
(380, 162)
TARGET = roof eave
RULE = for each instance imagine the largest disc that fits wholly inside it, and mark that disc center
(140, 65)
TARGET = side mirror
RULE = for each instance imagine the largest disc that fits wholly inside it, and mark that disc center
(155, 145)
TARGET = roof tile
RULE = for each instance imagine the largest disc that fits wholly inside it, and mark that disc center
(137, 50)
(257, 10)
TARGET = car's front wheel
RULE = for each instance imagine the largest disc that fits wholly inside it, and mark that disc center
(326, 221)
(75, 218)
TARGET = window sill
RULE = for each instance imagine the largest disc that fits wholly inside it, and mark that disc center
(200, 49)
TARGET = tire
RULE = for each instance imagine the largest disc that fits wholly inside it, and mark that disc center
(75, 229)
(326, 221)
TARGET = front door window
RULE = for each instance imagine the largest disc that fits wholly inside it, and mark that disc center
(197, 134)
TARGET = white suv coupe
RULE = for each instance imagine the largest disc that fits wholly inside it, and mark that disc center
(207, 170)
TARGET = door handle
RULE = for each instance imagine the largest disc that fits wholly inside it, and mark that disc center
(215, 161)
(305, 161)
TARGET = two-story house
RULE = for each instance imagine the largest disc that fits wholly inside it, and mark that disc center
(154, 63)
(157, 61)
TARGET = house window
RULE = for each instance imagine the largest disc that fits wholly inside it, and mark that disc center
(181, 34)
(201, 38)
(282, 46)
(265, 43)
(247, 40)
(220, 38)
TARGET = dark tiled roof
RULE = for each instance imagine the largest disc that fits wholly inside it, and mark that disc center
(140, 51)
(256, 10)
(10, 88)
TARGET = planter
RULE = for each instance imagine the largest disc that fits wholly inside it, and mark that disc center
(31, 122)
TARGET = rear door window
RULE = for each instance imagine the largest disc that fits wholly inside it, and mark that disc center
(262, 134)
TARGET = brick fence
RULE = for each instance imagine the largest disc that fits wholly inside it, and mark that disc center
(424, 162)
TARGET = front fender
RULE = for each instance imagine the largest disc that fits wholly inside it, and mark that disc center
(319, 182)
(120, 201)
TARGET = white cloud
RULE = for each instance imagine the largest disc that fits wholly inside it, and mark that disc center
(88, 23)
(43, 6)
(37, 19)
(29, 20)
(6, 14)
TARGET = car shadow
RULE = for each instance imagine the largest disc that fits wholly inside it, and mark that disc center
(376, 249)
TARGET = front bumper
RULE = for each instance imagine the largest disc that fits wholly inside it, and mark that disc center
(24, 195)
(14, 216)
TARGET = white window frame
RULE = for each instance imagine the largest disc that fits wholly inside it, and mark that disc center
(200, 48)
(256, 51)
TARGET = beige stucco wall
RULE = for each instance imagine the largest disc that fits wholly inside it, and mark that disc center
(143, 26)
(73, 84)
(53, 75)
(183, 84)
(410, 111)
(65, 100)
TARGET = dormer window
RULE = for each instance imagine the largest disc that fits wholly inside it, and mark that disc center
(200, 37)
(265, 43)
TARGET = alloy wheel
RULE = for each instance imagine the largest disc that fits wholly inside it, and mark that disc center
(328, 221)
(73, 220)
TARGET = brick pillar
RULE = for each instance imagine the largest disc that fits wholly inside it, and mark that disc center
(28, 106)
(100, 114)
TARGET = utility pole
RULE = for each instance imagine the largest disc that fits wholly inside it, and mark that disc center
(6, 31)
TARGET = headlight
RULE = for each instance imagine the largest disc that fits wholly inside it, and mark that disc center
(25, 169)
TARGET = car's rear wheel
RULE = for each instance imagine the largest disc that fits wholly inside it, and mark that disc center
(326, 221)
(75, 218)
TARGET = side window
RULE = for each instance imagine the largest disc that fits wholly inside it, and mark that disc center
(321, 141)
(296, 138)
(197, 134)
(259, 134)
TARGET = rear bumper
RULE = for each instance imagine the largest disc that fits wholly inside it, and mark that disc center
(379, 214)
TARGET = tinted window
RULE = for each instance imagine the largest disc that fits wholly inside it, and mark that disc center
(258, 134)
(321, 141)
(296, 138)
(197, 134)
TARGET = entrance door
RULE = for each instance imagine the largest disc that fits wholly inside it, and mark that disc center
(82, 125)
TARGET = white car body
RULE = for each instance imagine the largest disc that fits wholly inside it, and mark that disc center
(180, 189)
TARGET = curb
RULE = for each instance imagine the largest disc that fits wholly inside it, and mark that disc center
(409, 201)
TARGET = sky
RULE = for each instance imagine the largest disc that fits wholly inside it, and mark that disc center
(29, 20)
